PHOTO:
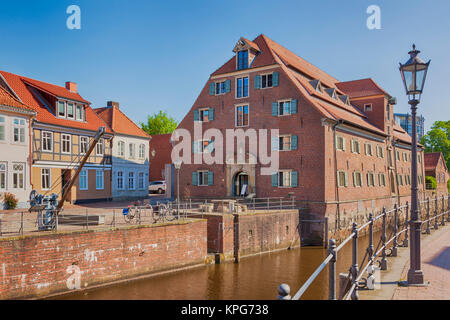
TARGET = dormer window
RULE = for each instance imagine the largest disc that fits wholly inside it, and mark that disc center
(61, 109)
(368, 107)
(242, 62)
(344, 99)
(331, 92)
(70, 110)
(316, 85)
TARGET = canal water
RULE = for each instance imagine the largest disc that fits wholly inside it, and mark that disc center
(255, 277)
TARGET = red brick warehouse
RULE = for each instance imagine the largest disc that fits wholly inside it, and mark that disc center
(341, 153)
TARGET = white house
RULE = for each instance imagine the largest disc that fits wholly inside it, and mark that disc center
(130, 154)
(15, 150)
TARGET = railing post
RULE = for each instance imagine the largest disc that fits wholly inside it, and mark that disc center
(428, 216)
(405, 241)
(436, 224)
(268, 205)
(114, 218)
(448, 208)
(355, 261)
(87, 220)
(332, 270)
(281, 203)
(443, 212)
(21, 223)
(370, 247)
(383, 263)
(56, 221)
(395, 245)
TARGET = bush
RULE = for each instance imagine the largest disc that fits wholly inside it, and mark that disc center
(10, 200)
(431, 182)
(448, 185)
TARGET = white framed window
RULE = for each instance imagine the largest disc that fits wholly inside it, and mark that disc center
(131, 150)
(220, 88)
(242, 87)
(2, 128)
(368, 107)
(66, 143)
(340, 143)
(100, 148)
(3, 175)
(242, 116)
(342, 179)
(284, 143)
(142, 151)
(203, 115)
(61, 109)
(18, 130)
(83, 185)
(47, 141)
(120, 185)
(99, 180)
(380, 152)
(370, 179)
(79, 113)
(381, 180)
(84, 144)
(45, 179)
(357, 179)
(368, 147)
(284, 108)
(131, 181)
(266, 80)
(70, 111)
(356, 147)
(141, 181)
(18, 176)
(121, 149)
(284, 178)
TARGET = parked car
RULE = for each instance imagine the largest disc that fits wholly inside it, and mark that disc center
(157, 187)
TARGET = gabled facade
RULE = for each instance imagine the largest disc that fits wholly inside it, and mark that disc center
(436, 167)
(337, 140)
(15, 160)
(62, 131)
(130, 154)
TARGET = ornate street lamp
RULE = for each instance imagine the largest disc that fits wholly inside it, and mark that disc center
(414, 73)
(177, 164)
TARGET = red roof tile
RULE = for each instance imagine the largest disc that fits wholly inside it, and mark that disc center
(119, 122)
(21, 86)
(6, 99)
(361, 88)
(431, 160)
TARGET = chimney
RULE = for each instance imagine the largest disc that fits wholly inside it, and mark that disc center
(71, 86)
(113, 104)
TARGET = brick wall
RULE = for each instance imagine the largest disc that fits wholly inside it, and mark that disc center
(33, 266)
(162, 148)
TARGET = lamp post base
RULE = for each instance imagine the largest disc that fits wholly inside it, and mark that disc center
(415, 277)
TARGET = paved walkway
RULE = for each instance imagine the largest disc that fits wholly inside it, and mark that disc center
(435, 266)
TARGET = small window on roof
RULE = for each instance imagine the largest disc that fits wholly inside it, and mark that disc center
(316, 85)
(344, 99)
(368, 107)
(331, 92)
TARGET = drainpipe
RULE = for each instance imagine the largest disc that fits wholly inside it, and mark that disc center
(394, 148)
(338, 226)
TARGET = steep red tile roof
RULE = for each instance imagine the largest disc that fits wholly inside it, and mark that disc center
(6, 99)
(251, 44)
(119, 122)
(21, 86)
(431, 160)
(361, 88)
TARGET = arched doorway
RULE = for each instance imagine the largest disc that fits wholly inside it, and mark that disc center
(240, 184)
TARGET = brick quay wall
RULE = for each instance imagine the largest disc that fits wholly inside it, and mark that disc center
(38, 265)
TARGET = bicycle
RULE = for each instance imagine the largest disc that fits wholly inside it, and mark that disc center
(164, 213)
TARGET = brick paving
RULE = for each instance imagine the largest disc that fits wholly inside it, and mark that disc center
(436, 269)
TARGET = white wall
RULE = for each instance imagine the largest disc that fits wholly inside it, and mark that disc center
(128, 164)
(15, 153)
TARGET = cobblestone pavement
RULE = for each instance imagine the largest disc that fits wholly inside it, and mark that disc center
(436, 269)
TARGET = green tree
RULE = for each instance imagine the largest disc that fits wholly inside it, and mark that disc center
(438, 139)
(159, 123)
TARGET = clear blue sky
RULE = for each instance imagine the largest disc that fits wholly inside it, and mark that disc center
(152, 55)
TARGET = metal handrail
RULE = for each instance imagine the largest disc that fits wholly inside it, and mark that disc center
(385, 243)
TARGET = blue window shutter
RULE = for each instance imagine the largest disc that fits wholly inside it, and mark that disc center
(194, 178)
(195, 115)
(210, 178)
(294, 106)
(275, 180)
(275, 79)
(294, 179)
(212, 89)
(275, 143)
(294, 142)
(227, 85)
(275, 108)
(257, 82)
(211, 114)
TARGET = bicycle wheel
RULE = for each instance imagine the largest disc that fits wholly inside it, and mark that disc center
(170, 214)
(156, 214)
